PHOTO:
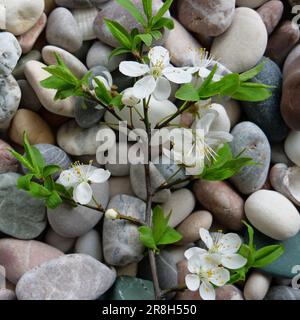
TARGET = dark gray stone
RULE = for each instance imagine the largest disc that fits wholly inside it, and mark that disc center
(283, 293)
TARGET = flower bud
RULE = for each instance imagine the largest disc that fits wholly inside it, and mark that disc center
(111, 214)
(129, 99)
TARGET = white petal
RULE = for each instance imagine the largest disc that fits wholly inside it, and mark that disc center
(209, 261)
(219, 276)
(207, 291)
(133, 69)
(193, 251)
(206, 238)
(192, 282)
(162, 90)
(159, 56)
(68, 179)
(229, 243)
(218, 137)
(99, 176)
(144, 87)
(194, 264)
(177, 75)
(233, 261)
(192, 70)
(83, 193)
(205, 122)
(204, 72)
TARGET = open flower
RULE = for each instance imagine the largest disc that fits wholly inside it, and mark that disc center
(156, 75)
(80, 177)
(223, 246)
(205, 273)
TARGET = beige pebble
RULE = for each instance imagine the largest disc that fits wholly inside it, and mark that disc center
(257, 286)
(120, 185)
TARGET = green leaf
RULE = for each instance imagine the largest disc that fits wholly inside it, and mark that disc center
(117, 102)
(102, 92)
(156, 34)
(251, 94)
(31, 154)
(38, 190)
(119, 32)
(54, 200)
(39, 159)
(207, 81)
(49, 183)
(24, 161)
(267, 255)
(54, 83)
(250, 235)
(251, 73)
(164, 8)
(170, 236)
(224, 155)
(160, 223)
(50, 169)
(131, 8)
(146, 236)
(24, 182)
(145, 37)
(187, 92)
(118, 51)
(63, 191)
(164, 22)
(147, 5)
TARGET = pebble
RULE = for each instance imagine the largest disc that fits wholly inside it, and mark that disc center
(98, 55)
(78, 141)
(75, 65)
(249, 137)
(18, 72)
(90, 243)
(70, 277)
(22, 15)
(21, 216)
(119, 169)
(282, 41)
(19, 256)
(229, 292)
(271, 13)
(131, 288)
(272, 214)
(292, 147)
(283, 293)
(80, 3)
(63, 31)
(129, 270)
(180, 204)
(189, 227)
(286, 180)
(120, 185)
(292, 61)
(250, 3)
(10, 96)
(121, 239)
(10, 52)
(61, 243)
(74, 222)
(138, 183)
(211, 17)
(29, 99)
(34, 74)
(8, 162)
(266, 114)
(244, 43)
(7, 294)
(30, 122)
(28, 39)
(278, 155)
(113, 11)
(85, 21)
(222, 201)
(257, 286)
(182, 53)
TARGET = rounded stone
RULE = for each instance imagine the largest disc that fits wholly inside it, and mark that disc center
(181, 204)
(222, 201)
(249, 137)
(52, 280)
(21, 216)
(118, 161)
(7, 294)
(10, 52)
(35, 74)
(244, 43)
(85, 21)
(75, 65)
(79, 3)
(63, 31)
(29, 99)
(283, 293)
(271, 13)
(211, 17)
(61, 243)
(8, 163)
(292, 147)
(233, 110)
(257, 286)
(189, 227)
(90, 244)
(120, 185)
(250, 3)
(121, 239)
(19, 256)
(278, 154)
(266, 114)
(36, 128)
(22, 15)
(229, 292)
(292, 61)
(272, 214)
(18, 71)
(10, 96)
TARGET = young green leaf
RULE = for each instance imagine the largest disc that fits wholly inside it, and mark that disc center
(31, 154)
(267, 255)
(54, 200)
(50, 170)
(170, 236)
(24, 182)
(117, 102)
(187, 92)
(24, 161)
(102, 94)
(147, 5)
(250, 235)
(146, 236)
(132, 9)
(251, 94)
(119, 32)
(164, 23)
(164, 8)
(38, 191)
(160, 223)
(118, 51)
(146, 38)
(156, 34)
(250, 74)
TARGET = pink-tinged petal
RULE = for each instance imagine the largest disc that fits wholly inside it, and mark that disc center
(162, 90)
(99, 176)
(159, 56)
(206, 238)
(219, 276)
(193, 251)
(133, 69)
(207, 291)
(192, 282)
(83, 193)
(177, 75)
(144, 87)
(233, 261)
